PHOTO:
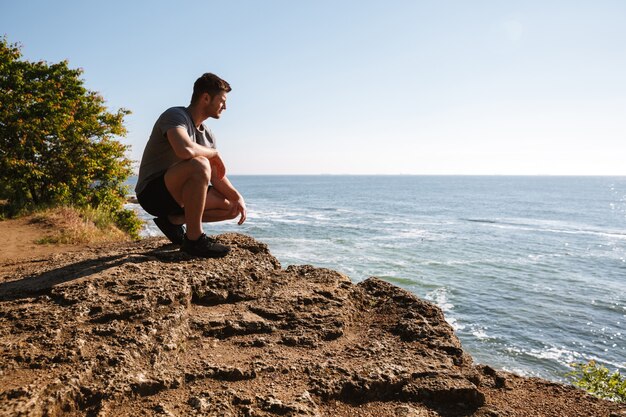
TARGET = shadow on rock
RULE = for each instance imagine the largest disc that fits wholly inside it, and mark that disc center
(42, 283)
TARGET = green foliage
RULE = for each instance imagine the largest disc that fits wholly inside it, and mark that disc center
(128, 221)
(58, 141)
(597, 380)
(102, 217)
(77, 225)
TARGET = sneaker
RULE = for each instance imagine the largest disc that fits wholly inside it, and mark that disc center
(204, 247)
(174, 232)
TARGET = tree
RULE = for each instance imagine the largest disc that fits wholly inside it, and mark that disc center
(57, 140)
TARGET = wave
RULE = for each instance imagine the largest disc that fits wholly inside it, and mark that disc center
(439, 296)
(480, 332)
(562, 356)
(480, 221)
(547, 226)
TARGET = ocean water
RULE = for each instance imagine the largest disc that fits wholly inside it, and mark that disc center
(530, 271)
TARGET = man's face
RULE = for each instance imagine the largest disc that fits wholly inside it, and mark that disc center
(216, 105)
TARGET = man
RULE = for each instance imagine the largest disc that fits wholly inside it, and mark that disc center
(182, 179)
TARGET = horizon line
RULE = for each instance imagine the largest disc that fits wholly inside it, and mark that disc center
(423, 175)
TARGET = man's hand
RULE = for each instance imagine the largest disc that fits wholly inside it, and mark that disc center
(237, 203)
(239, 207)
(218, 170)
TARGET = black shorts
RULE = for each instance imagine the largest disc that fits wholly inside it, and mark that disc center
(157, 200)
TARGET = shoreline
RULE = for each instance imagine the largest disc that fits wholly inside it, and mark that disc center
(548, 358)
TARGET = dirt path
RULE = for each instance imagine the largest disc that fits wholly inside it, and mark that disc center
(18, 241)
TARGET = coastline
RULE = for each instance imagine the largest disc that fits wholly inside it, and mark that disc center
(124, 328)
(529, 270)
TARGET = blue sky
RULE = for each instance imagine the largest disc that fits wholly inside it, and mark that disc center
(360, 87)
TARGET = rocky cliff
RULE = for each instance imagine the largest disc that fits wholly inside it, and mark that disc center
(139, 329)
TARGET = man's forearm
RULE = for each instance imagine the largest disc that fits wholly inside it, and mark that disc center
(226, 188)
(185, 148)
(196, 150)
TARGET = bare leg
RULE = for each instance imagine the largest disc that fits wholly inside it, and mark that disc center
(187, 182)
(209, 216)
(216, 215)
(216, 209)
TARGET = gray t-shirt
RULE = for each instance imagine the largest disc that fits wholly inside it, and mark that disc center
(159, 154)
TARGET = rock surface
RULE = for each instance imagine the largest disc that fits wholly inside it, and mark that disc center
(140, 329)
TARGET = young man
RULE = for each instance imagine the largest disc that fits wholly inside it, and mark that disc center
(182, 177)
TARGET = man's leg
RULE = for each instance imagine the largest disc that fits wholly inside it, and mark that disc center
(187, 182)
(216, 209)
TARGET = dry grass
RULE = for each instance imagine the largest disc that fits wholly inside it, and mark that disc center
(76, 226)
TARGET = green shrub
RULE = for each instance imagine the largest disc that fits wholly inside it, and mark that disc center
(597, 380)
(58, 142)
(128, 221)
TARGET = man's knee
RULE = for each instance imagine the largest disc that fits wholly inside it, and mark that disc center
(200, 168)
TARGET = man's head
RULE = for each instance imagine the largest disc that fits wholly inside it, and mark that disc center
(209, 91)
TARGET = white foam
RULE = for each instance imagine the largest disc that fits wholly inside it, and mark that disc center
(570, 231)
(612, 364)
(480, 333)
(561, 355)
(520, 371)
(440, 297)
(452, 321)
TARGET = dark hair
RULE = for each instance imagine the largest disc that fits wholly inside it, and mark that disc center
(209, 83)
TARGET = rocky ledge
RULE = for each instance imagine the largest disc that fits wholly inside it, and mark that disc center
(140, 329)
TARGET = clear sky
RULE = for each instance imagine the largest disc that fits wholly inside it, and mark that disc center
(356, 86)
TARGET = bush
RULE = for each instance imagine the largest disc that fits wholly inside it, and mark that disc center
(58, 141)
(128, 221)
(597, 380)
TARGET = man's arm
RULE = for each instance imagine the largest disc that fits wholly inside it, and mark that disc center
(185, 148)
(218, 170)
(225, 187)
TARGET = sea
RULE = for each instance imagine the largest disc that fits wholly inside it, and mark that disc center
(530, 271)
